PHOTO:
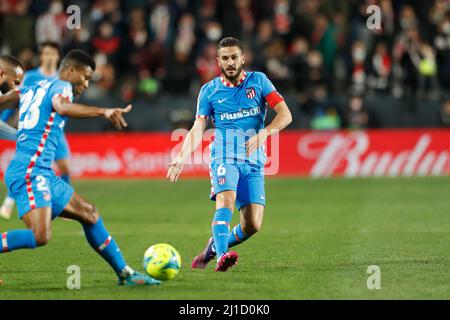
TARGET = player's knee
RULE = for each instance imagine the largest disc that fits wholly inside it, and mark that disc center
(42, 236)
(229, 205)
(251, 227)
(225, 202)
(91, 215)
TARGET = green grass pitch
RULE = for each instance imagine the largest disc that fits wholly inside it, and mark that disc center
(317, 241)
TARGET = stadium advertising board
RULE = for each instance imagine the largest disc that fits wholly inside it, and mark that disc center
(293, 153)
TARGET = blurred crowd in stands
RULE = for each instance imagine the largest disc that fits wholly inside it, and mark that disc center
(312, 50)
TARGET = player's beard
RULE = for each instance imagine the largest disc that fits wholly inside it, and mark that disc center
(4, 87)
(232, 78)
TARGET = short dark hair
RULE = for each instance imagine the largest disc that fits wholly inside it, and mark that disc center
(229, 42)
(77, 58)
(51, 44)
(12, 61)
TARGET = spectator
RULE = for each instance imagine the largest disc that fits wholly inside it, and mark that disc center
(18, 28)
(317, 75)
(428, 82)
(442, 45)
(380, 69)
(260, 43)
(359, 68)
(445, 113)
(406, 60)
(180, 70)
(207, 67)
(276, 63)
(135, 40)
(282, 18)
(78, 39)
(152, 61)
(298, 63)
(323, 39)
(107, 41)
(51, 26)
(324, 110)
(356, 114)
(162, 20)
(239, 20)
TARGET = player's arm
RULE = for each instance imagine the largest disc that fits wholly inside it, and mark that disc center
(281, 121)
(191, 143)
(10, 100)
(64, 107)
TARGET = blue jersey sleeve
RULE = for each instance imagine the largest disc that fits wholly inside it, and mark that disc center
(28, 78)
(269, 92)
(266, 85)
(204, 109)
(61, 89)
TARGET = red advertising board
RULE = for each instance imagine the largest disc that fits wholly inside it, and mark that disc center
(292, 153)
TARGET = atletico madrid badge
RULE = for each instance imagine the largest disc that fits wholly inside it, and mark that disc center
(46, 196)
(221, 181)
(250, 92)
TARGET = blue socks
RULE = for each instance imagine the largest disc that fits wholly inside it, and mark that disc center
(236, 236)
(66, 178)
(17, 239)
(100, 239)
(220, 228)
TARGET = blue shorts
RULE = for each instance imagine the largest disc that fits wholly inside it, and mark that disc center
(247, 180)
(47, 190)
(62, 151)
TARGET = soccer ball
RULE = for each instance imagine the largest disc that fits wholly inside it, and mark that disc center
(162, 261)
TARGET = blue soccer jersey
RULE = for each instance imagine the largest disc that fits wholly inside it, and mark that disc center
(40, 126)
(33, 76)
(238, 112)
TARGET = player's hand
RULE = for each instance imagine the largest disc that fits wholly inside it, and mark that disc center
(116, 116)
(255, 142)
(175, 168)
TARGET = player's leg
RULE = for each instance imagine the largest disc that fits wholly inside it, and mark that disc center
(251, 203)
(221, 228)
(221, 223)
(38, 233)
(7, 207)
(100, 240)
(34, 205)
(224, 179)
(62, 156)
(250, 223)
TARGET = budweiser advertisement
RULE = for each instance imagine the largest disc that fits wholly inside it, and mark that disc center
(292, 153)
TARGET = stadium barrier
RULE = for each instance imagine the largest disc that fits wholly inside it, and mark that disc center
(414, 152)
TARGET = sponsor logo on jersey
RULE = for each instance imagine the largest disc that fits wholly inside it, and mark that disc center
(243, 113)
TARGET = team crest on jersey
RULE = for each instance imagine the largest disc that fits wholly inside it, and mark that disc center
(46, 196)
(221, 181)
(250, 92)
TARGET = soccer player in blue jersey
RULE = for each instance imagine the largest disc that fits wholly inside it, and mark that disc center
(236, 103)
(40, 195)
(49, 56)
